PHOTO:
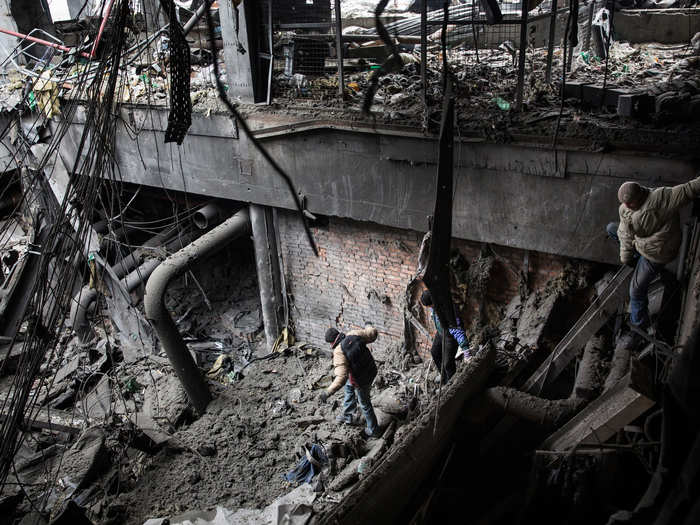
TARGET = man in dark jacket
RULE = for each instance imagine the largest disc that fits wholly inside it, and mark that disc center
(355, 368)
(456, 337)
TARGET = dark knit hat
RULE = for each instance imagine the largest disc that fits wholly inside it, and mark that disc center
(426, 298)
(631, 192)
(331, 335)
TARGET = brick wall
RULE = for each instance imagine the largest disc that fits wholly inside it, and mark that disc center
(362, 273)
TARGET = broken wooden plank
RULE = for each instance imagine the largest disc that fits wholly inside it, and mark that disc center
(50, 419)
(603, 417)
(588, 324)
(605, 305)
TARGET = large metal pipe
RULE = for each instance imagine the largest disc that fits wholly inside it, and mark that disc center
(83, 301)
(157, 313)
(207, 216)
(268, 269)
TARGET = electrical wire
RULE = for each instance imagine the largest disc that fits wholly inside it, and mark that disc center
(256, 143)
(51, 292)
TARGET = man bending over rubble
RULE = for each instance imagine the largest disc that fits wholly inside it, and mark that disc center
(649, 233)
(354, 367)
(456, 337)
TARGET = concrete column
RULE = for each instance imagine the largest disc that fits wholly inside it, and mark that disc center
(269, 272)
(8, 42)
(238, 62)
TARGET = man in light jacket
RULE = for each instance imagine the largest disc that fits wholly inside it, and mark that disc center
(355, 368)
(649, 233)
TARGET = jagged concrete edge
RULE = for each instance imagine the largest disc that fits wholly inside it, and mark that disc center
(400, 472)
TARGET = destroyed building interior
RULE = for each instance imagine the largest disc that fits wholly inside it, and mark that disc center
(349, 262)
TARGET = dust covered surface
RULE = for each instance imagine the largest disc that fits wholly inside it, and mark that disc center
(253, 432)
(138, 451)
(486, 93)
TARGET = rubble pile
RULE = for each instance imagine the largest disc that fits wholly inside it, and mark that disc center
(485, 83)
(120, 438)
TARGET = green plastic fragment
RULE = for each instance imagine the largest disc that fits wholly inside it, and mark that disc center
(131, 385)
(501, 103)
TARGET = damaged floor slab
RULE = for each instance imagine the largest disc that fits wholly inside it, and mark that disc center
(349, 262)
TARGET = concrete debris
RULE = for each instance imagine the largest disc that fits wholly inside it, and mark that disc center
(620, 362)
(86, 459)
(617, 407)
(9, 357)
(293, 508)
(97, 405)
(346, 477)
(388, 401)
(589, 377)
(150, 428)
(71, 514)
(166, 401)
(67, 370)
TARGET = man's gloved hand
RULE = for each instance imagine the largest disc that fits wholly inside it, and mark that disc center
(322, 397)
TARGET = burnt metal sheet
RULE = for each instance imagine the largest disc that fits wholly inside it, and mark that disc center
(437, 271)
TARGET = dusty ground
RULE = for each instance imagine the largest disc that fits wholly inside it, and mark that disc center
(483, 84)
(237, 453)
(261, 416)
(485, 90)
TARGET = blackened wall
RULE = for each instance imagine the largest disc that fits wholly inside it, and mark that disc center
(363, 271)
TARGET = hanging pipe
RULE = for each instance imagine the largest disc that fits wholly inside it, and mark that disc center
(207, 216)
(84, 300)
(42, 42)
(156, 312)
(102, 28)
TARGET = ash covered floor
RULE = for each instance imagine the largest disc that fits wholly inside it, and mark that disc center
(145, 455)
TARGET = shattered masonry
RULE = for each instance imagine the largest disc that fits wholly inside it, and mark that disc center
(191, 195)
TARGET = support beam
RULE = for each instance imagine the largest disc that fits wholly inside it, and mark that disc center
(50, 419)
(521, 58)
(339, 49)
(267, 264)
(610, 412)
(588, 324)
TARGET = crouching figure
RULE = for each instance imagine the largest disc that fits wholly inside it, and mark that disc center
(355, 368)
